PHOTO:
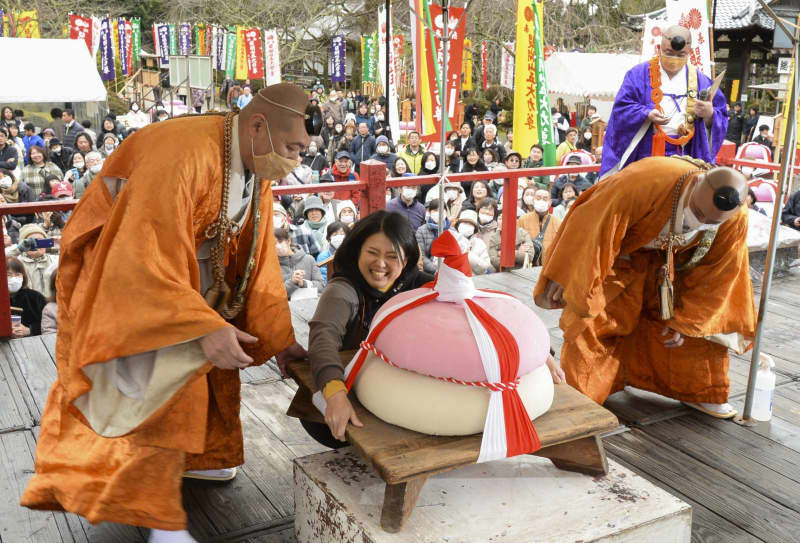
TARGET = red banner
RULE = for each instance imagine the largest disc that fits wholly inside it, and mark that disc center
(255, 53)
(457, 32)
(81, 28)
(484, 70)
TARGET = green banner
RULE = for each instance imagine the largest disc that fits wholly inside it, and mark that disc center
(173, 40)
(370, 60)
(136, 36)
(197, 40)
(230, 51)
(546, 139)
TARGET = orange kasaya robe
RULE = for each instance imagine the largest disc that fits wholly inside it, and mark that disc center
(129, 283)
(612, 330)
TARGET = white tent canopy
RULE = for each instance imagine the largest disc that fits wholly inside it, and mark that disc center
(595, 75)
(48, 71)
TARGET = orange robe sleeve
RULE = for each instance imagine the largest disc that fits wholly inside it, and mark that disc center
(716, 297)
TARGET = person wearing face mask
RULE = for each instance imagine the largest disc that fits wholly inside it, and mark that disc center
(135, 118)
(523, 244)
(454, 197)
(110, 143)
(194, 303)
(541, 226)
(94, 163)
(315, 222)
(383, 152)
(428, 232)
(60, 156)
(346, 213)
(15, 191)
(430, 164)
(577, 179)
(407, 204)
(467, 226)
(31, 302)
(336, 233)
(298, 269)
(452, 158)
(304, 239)
(78, 168)
(683, 121)
(37, 261)
(315, 159)
(669, 332)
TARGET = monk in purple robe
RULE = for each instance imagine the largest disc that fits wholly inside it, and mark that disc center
(676, 119)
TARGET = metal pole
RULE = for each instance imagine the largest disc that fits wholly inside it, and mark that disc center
(790, 141)
(443, 103)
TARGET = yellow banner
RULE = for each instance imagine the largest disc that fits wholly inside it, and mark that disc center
(467, 66)
(27, 24)
(526, 131)
(115, 41)
(241, 55)
(780, 142)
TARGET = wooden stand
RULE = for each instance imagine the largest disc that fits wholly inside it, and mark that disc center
(404, 459)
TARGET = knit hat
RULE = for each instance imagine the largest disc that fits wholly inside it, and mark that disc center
(110, 135)
(468, 216)
(31, 228)
(278, 208)
(382, 139)
(313, 202)
(345, 204)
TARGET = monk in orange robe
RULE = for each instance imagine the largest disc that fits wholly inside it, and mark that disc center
(604, 271)
(148, 382)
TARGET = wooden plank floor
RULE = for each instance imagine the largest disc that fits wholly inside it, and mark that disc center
(743, 483)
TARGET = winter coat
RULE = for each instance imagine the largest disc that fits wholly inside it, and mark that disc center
(299, 260)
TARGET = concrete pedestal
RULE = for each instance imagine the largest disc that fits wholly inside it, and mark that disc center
(338, 499)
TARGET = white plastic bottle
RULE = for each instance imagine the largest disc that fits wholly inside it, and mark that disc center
(765, 389)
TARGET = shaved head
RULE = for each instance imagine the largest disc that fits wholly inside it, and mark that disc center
(676, 43)
(718, 194)
(277, 114)
(677, 37)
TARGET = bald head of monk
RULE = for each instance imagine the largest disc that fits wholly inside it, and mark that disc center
(276, 114)
(717, 195)
(676, 42)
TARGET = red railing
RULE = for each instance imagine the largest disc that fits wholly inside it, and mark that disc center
(372, 188)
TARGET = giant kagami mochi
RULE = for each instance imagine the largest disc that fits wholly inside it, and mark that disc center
(449, 359)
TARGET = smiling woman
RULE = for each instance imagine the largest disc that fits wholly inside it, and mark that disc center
(377, 260)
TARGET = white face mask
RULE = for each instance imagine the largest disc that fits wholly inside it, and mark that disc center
(312, 151)
(466, 229)
(435, 217)
(409, 193)
(528, 200)
(336, 240)
(450, 195)
(383, 149)
(430, 165)
(347, 219)
(5, 182)
(134, 108)
(96, 168)
(483, 218)
(587, 135)
(79, 165)
(541, 206)
(277, 221)
(56, 150)
(14, 284)
(449, 151)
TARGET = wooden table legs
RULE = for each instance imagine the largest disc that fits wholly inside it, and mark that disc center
(585, 455)
(399, 501)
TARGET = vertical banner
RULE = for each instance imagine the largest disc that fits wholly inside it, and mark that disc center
(507, 66)
(173, 40)
(200, 39)
(129, 45)
(338, 59)
(136, 40)
(368, 59)
(693, 15)
(651, 38)
(163, 33)
(80, 28)
(526, 123)
(185, 39)
(230, 52)
(452, 83)
(2, 24)
(212, 42)
(27, 25)
(114, 42)
(95, 35)
(273, 58)
(255, 53)
(545, 120)
(241, 54)
(466, 71)
(106, 51)
(122, 47)
(484, 68)
(390, 86)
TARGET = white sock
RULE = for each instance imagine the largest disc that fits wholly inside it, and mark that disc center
(223, 473)
(170, 536)
(721, 408)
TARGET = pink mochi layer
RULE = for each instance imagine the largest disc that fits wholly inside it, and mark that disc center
(436, 339)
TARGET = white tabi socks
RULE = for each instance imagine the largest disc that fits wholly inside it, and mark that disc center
(170, 536)
(225, 474)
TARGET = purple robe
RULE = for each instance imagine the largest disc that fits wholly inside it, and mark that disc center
(631, 107)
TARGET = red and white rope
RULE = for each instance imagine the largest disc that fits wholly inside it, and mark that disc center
(495, 387)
